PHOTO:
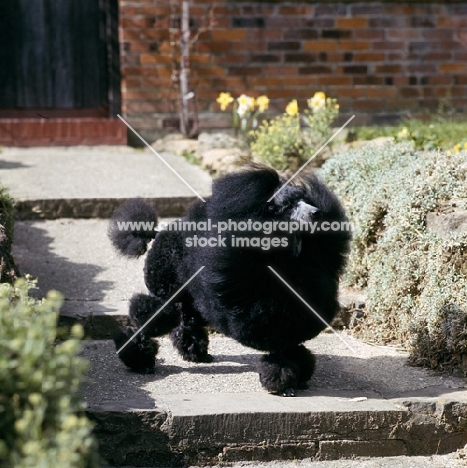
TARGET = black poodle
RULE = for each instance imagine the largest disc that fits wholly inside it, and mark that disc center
(237, 293)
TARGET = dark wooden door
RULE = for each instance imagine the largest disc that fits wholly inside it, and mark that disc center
(59, 56)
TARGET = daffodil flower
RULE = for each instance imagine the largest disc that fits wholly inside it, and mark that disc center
(292, 108)
(224, 100)
(262, 102)
(404, 133)
(317, 102)
(246, 102)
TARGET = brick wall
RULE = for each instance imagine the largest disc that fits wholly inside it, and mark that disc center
(62, 132)
(381, 60)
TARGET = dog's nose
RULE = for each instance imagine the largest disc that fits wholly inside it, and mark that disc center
(304, 212)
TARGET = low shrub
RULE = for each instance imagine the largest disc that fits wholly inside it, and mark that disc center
(289, 140)
(8, 271)
(436, 132)
(42, 423)
(415, 279)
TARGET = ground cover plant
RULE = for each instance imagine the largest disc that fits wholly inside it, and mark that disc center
(415, 279)
(42, 423)
(429, 134)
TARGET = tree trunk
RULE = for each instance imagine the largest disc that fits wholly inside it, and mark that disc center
(184, 67)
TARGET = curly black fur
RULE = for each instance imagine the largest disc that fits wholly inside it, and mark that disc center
(236, 293)
(132, 242)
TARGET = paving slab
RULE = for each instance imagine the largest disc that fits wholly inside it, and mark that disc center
(435, 461)
(75, 257)
(365, 404)
(89, 182)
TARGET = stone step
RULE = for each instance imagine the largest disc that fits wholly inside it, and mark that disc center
(365, 405)
(89, 182)
(75, 257)
(456, 460)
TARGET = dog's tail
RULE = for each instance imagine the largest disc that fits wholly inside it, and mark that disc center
(132, 227)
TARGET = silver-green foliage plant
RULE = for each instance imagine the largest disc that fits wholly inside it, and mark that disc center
(415, 279)
(42, 424)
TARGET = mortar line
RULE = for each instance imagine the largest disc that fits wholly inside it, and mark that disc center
(167, 302)
(312, 309)
(312, 157)
(161, 158)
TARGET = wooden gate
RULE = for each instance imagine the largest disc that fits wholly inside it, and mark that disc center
(59, 58)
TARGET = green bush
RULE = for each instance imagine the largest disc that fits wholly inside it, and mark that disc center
(285, 144)
(41, 419)
(6, 212)
(415, 280)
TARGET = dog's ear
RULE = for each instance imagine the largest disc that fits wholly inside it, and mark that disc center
(243, 193)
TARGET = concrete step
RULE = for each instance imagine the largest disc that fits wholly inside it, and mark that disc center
(76, 258)
(90, 182)
(434, 461)
(365, 405)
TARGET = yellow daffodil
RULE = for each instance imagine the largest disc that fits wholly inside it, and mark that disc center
(404, 133)
(457, 148)
(317, 102)
(465, 146)
(292, 108)
(224, 100)
(262, 102)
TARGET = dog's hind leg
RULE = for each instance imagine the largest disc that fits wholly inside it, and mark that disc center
(285, 371)
(140, 353)
(191, 337)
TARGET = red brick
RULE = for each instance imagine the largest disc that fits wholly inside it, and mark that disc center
(368, 57)
(354, 45)
(403, 34)
(320, 45)
(410, 92)
(135, 95)
(386, 45)
(213, 47)
(228, 83)
(295, 10)
(385, 92)
(153, 34)
(203, 70)
(268, 81)
(228, 35)
(388, 68)
(335, 80)
(353, 91)
(452, 67)
(367, 104)
(279, 70)
(352, 23)
(373, 34)
(136, 22)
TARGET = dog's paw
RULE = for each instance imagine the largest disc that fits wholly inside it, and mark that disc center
(288, 392)
(278, 375)
(205, 358)
(139, 354)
